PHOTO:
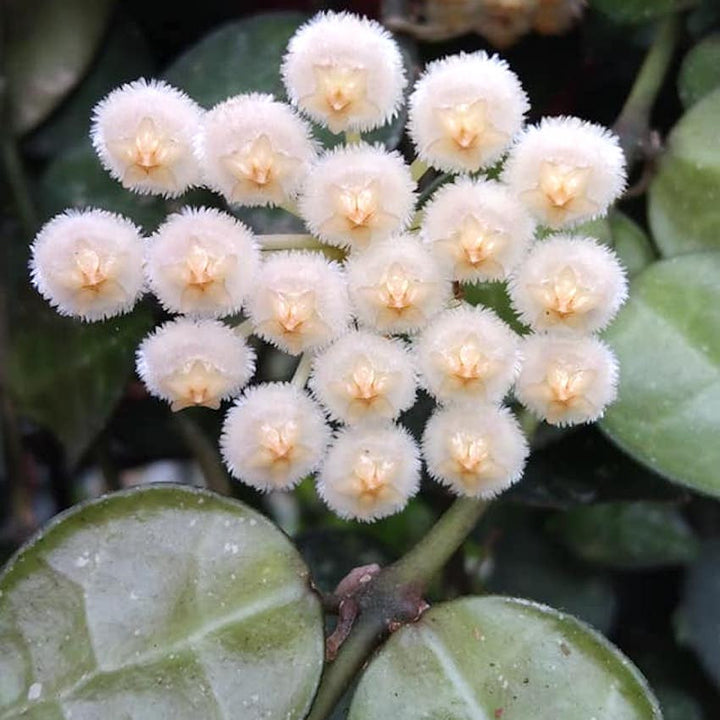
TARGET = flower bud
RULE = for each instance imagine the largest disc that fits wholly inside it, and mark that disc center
(88, 264)
(194, 362)
(143, 134)
(274, 436)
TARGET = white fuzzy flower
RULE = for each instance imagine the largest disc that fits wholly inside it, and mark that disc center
(255, 150)
(465, 110)
(363, 376)
(194, 362)
(358, 194)
(396, 285)
(476, 450)
(566, 381)
(143, 133)
(568, 282)
(467, 353)
(566, 170)
(478, 229)
(274, 436)
(202, 262)
(370, 472)
(344, 71)
(88, 264)
(300, 301)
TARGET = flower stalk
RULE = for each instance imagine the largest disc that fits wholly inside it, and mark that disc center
(394, 597)
(632, 125)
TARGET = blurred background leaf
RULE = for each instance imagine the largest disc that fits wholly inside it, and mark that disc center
(68, 376)
(627, 535)
(667, 339)
(49, 47)
(684, 197)
(700, 71)
(699, 617)
(123, 57)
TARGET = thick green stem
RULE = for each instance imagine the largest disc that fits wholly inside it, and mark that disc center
(395, 596)
(633, 122)
(17, 183)
(419, 565)
(352, 138)
(418, 169)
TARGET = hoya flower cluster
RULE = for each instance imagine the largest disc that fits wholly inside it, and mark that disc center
(389, 318)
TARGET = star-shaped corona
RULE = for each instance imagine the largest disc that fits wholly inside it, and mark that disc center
(202, 262)
(274, 436)
(345, 72)
(194, 362)
(569, 283)
(370, 472)
(358, 195)
(396, 286)
(566, 170)
(467, 353)
(464, 112)
(143, 133)
(476, 450)
(363, 377)
(88, 264)
(477, 229)
(566, 381)
(300, 301)
(255, 150)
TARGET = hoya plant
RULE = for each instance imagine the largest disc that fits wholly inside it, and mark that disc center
(367, 279)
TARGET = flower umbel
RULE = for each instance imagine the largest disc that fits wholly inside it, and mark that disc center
(396, 308)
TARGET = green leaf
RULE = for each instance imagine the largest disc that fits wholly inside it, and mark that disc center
(209, 73)
(75, 179)
(667, 339)
(125, 56)
(526, 563)
(684, 197)
(627, 535)
(68, 376)
(631, 243)
(628, 239)
(700, 610)
(494, 657)
(49, 47)
(700, 71)
(494, 296)
(160, 602)
(582, 466)
(637, 11)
